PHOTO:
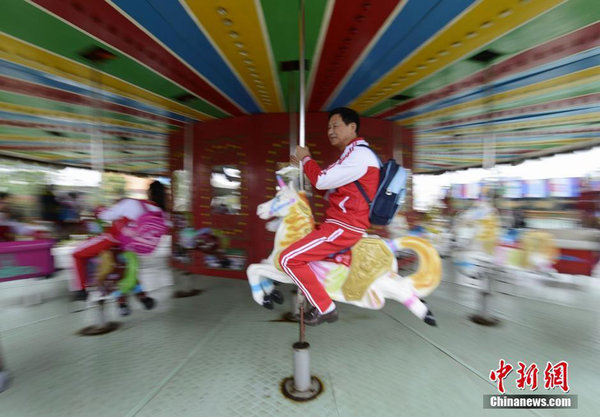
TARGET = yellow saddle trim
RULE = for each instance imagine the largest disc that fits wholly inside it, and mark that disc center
(371, 258)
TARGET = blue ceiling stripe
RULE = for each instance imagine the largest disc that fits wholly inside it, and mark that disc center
(579, 62)
(399, 41)
(87, 125)
(188, 42)
(10, 69)
(531, 116)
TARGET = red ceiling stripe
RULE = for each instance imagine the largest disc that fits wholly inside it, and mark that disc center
(553, 50)
(24, 87)
(353, 25)
(101, 20)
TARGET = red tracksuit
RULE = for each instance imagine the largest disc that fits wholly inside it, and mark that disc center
(120, 214)
(347, 217)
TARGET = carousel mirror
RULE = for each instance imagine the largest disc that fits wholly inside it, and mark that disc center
(226, 183)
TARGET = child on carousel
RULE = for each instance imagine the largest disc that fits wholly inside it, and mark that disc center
(120, 214)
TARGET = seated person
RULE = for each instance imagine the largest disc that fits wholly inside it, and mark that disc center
(120, 215)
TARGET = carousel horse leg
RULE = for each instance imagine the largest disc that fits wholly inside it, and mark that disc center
(401, 290)
(103, 325)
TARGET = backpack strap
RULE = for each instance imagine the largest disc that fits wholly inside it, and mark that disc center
(360, 187)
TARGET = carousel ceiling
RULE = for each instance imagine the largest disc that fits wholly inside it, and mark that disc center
(128, 72)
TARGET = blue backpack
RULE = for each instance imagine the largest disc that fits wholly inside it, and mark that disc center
(390, 192)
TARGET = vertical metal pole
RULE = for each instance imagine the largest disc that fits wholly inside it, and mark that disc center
(301, 133)
(489, 144)
(96, 143)
(301, 109)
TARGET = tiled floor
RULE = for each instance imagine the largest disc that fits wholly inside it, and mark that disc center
(219, 354)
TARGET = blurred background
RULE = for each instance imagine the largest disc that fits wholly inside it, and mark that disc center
(492, 107)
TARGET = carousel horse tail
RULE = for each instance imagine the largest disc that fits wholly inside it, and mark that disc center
(429, 272)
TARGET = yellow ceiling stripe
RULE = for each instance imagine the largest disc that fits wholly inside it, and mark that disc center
(234, 28)
(17, 108)
(24, 53)
(564, 82)
(479, 25)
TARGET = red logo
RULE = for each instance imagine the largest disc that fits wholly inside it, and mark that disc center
(554, 376)
(501, 373)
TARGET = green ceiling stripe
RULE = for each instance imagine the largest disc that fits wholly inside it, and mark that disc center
(282, 26)
(58, 37)
(566, 18)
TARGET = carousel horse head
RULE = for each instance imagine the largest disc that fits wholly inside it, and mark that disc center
(280, 205)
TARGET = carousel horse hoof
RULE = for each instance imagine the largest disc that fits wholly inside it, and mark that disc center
(268, 303)
(276, 296)
(430, 319)
(148, 303)
(124, 309)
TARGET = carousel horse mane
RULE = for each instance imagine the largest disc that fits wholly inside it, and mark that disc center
(299, 222)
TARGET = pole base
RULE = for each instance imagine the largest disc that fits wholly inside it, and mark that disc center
(95, 330)
(4, 380)
(186, 293)
(289, 390)
(484, 321)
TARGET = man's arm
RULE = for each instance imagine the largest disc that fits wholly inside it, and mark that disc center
(353, 167)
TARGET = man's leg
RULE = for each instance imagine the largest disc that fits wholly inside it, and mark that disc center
(317, 245)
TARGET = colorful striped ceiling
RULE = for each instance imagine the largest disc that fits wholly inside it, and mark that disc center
(523, 73)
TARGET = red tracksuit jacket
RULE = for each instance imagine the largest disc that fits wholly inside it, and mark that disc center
(346, 203)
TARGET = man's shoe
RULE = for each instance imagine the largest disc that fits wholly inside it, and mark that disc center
(148, 302)
(124, 309)
(79, 295)
(314, 318)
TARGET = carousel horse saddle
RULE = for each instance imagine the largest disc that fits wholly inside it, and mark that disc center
(371, 258)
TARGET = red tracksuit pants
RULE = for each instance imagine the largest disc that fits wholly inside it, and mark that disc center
(327, 239)
(87, 250)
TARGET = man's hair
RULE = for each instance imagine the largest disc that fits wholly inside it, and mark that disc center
(347, 115)
(157, 194)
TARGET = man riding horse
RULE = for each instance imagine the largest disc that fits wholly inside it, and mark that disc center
(347, 216)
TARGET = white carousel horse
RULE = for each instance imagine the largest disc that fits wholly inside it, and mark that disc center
(372, 276)
(481, 245)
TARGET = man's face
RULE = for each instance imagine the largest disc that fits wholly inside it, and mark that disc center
(340, 134)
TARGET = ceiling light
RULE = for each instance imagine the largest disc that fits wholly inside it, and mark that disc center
(222, 11)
